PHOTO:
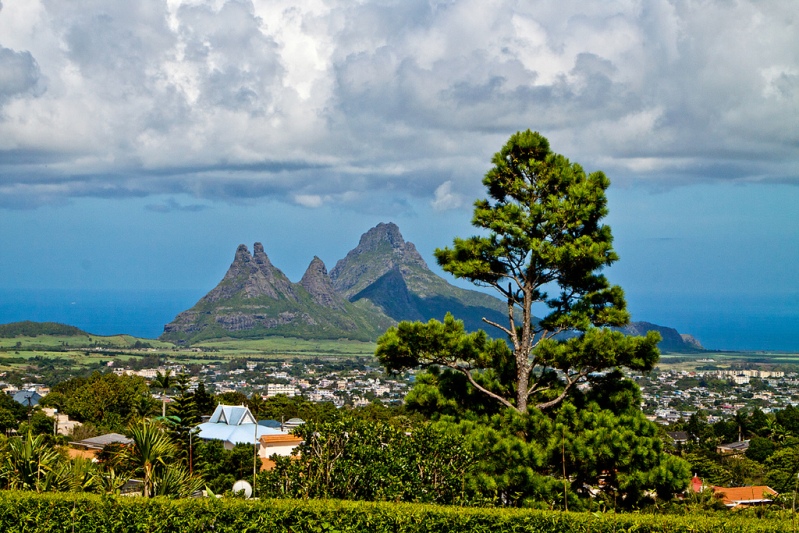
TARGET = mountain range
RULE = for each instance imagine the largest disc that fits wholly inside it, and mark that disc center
(380, 282)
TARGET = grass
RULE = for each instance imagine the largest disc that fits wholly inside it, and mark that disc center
(79, 350)
(724, 360)
(80, 341)
(19, 353)
(291, 347)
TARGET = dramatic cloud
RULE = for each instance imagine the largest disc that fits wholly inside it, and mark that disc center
(370, 104)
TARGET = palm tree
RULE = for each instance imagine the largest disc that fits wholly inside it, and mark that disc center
(76, 475)
(176, 480)
(144, 406)
(151, 448)
(164, 382)
(774, 430)
(28, 462)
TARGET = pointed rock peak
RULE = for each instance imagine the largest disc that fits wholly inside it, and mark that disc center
(381, 233)
(267, 279)
(242, 254)
(318, 284)
(315, 272)
(259, 255)
(317, 266)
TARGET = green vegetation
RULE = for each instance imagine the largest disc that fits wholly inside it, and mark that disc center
(542, 233)
(539, 439)
(276, 345)
(772, 457)
(107, 401)
(79, 513)
(81, 341)
(356, 459)
(34, 329)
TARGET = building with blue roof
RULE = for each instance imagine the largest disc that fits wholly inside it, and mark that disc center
(234, 424)
(28, 398)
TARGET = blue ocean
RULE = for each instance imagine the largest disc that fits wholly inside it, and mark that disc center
(109, 312)
(733, 322)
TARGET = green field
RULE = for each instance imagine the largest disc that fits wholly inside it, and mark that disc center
(80, 342)
(690, 362)
(290, 347)
(76, 351)
(84, 349)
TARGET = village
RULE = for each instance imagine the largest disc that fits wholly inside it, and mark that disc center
(350, 382)
(669, 396)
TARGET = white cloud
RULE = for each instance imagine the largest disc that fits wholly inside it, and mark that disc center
(445, 199)
(341, 102)
(308, 200)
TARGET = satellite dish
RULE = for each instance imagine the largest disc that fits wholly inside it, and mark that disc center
(242, 486)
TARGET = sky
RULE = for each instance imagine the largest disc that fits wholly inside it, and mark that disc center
(141, 142)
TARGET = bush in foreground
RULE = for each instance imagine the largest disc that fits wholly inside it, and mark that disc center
(20, 511)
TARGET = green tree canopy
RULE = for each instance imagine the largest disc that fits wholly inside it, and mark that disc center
(106, 400)
(541, 243)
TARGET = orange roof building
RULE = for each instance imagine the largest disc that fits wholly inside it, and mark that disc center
(281, 444)
(737, 496)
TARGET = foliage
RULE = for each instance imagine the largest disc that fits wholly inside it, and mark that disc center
(149, 453)
(75, 475)
(282, 407)
(39, 424)
(203, 400)
(522, 459)
(220, 468)
(760, 449)
(7, 421)
(164, 382)
(8, 406)
(539, 439)
(542, 232)
(788, 418)
(707, 466)
(232, 398)
(27, 463)
(107, 400)
(783, 469)
(183, 419)
(76, 513)
(28, 328)
(175, 480)
(361, 460)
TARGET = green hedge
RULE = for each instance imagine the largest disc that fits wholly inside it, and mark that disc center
(27, 512)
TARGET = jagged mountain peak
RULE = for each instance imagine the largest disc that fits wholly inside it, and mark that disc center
(259, 253)
(379, 250)
(390, 273)
(252, 276)
(382, 233)
(317, 265)
(317, 282)
(256, 299)
(242, 254)
(381, 281)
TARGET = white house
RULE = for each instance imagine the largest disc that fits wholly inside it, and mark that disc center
(234, 424)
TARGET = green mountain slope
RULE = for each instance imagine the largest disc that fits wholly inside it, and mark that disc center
(391, 274)
(380, 282)
(255, 299)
